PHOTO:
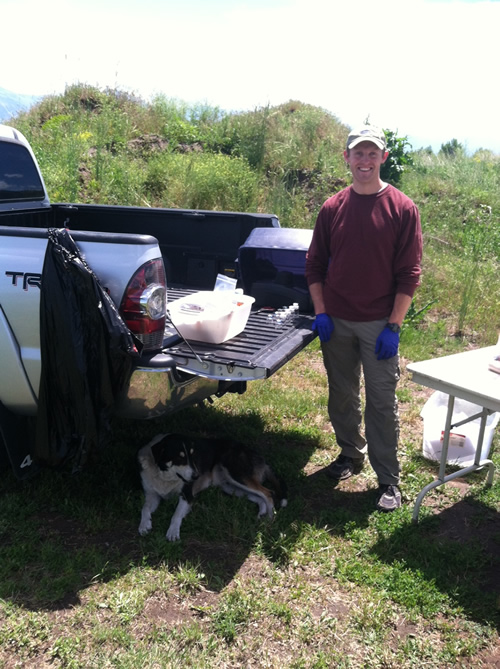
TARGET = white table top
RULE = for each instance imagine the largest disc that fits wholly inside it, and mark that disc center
(465, 375)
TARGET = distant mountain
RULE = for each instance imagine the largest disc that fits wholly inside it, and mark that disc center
(13, 103)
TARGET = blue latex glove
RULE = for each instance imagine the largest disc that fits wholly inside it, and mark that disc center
(387, 344)
(323, 326)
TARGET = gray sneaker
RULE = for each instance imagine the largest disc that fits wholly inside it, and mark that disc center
(389, 498)
(344, 467)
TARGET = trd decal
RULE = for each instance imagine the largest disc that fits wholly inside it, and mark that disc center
(26, 280)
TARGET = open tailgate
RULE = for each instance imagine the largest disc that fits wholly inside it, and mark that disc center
(256, 353)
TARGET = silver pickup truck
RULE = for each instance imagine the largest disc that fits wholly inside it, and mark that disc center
(144, 259)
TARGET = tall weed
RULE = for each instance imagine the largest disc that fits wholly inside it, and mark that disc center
(67, 144)
(291, 205)
(201, 182)
(459, 202)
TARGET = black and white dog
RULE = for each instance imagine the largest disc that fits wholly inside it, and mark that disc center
(173, 464)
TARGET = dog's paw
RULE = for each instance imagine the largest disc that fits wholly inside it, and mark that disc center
(266, 512)
(174, 531)
(173, 534)
(144, 528)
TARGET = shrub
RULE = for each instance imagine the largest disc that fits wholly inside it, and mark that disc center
(398, 160)
(452, 148)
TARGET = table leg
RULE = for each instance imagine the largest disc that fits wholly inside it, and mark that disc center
(442, 465)
(477, 459)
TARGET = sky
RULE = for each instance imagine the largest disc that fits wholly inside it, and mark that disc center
(426, 69)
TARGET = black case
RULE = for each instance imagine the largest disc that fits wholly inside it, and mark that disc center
(271, 265)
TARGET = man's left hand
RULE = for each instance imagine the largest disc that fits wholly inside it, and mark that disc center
(387, 344)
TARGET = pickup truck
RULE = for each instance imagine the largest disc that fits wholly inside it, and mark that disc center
(144, 258)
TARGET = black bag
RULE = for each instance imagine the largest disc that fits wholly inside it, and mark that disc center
(87, 356)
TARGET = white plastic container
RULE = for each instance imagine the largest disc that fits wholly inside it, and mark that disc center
(211, 316)
(463, 439)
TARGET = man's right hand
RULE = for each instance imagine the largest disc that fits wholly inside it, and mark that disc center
(323, 326)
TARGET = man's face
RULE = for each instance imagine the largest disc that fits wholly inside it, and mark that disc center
(365, 160)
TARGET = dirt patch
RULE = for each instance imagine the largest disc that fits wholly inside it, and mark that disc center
(177, 609)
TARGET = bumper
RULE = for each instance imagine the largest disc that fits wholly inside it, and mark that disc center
(157, 388)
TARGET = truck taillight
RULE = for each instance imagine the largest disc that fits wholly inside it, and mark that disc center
(144, 304)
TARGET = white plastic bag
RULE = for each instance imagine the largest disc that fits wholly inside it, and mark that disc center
(463, 439)
(224, 283)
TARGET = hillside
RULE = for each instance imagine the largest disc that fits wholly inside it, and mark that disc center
(110, 147)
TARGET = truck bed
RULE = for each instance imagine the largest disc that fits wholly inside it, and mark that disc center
(256, 353)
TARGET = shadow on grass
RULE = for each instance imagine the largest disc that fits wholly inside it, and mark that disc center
(457, 550)
(61, 533)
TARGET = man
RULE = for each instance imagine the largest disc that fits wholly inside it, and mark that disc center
(362, 268)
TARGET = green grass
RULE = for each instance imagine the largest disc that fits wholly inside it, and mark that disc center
(329, 582)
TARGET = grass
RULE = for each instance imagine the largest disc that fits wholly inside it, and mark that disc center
(329, 582)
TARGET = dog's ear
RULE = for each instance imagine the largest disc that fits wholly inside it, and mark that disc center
(160, 454)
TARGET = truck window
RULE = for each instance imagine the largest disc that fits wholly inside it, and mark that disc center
(19, 178)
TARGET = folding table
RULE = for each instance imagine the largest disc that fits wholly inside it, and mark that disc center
(466, 376)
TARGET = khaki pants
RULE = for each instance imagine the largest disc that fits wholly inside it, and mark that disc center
(350, 349)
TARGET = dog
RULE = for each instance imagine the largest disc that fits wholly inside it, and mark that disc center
(173, 464)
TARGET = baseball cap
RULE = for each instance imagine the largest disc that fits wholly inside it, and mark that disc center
(366, 133)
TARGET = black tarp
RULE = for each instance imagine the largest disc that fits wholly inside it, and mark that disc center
(87, 355)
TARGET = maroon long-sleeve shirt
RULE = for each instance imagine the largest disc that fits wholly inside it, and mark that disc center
(364, 250)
